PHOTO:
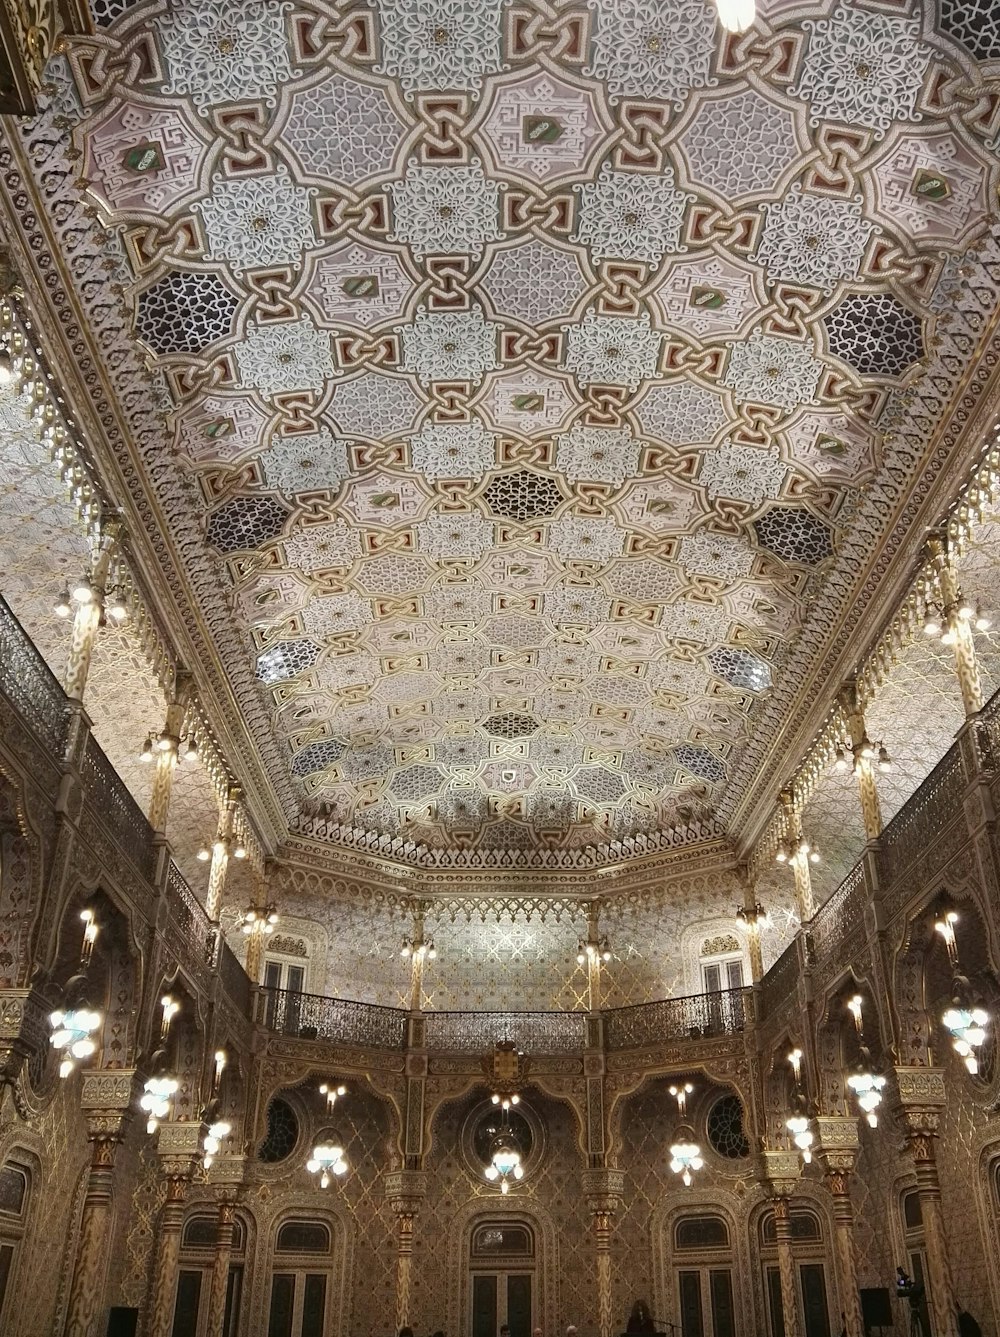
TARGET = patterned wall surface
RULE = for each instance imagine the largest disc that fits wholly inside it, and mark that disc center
(525, 400)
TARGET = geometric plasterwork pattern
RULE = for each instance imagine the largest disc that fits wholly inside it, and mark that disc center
(528, 400)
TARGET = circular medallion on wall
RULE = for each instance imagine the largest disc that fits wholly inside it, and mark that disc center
(491, 1131)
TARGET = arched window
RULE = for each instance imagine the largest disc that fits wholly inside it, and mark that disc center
(199, 1240)
(701, 1232)
(812, 1294)
(15, 1188)
(301, 1279)
(703, 1281)
(503, 1239)
(721, 963)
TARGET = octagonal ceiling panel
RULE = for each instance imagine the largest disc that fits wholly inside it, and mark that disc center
(528, 371)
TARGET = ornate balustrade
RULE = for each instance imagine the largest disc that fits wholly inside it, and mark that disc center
(779, 984)
(30, 686)
(111, 804)
(914, 834)
(839, 915)
(235, 980)
(531, 1032)
(311, 1016)
(189, 915)
(693, 1017)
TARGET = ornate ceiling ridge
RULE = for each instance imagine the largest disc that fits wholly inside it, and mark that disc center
(708, 322)
(65, 230)
(948, 401)
(329, 869)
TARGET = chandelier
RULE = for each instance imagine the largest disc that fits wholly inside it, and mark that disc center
(798, 1122)
(418, 949)
(74, 1026)
(865, 750)
(593, 950)
(864, 1081)
(332, 1093)
(966, 1020)
(753, 916)
(505, 1157)
(685, 1153)
(161, 1087)
(685, 1157)
(735, 15)
(262, 917)
(327, 1158)
(787, 851)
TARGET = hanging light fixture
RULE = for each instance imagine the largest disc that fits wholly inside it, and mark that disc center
(327, 1159)
(736, 16)
(685, 1156)
(262, 917)
(73, 1031)
(116, 605)
(157, 1094)
(332, 1093)
(754, 916)
(864, 1081)
(798, 1122)
(75, 1025)
(63, 605)
(146, 755)
(598, 949)
(966, 1020)
(204, 854)
(505, 1157)
(418, 949)
(781, 854)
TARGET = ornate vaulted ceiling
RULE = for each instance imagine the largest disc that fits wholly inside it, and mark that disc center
(531, 372)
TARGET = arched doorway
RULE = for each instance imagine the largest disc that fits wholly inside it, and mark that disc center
(504, 1286)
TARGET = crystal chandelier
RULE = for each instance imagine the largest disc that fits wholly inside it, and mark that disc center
(966, 1020)
(75, 1025)
(864, 1081)
(327, 1158)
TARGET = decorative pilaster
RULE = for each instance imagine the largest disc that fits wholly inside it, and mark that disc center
(417, 955)
(751, 920)
(921, 1100)
(604, 1191)
(166, 754)
(838, 1149)
(220, 854)
(781, 1169)
(871, 810)
(87, 617)
(959, 627)
(798, 858)
(105, 1098)
(404, 1190)
(179, 1145)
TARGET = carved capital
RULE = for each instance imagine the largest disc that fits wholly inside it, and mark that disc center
(405, 1190)
(179, 1146)
(226, 1173)
(781, 1169)
(921, 1088)
(604, 1190)
(107, 1089)
(24, 1029)
(836, 1133)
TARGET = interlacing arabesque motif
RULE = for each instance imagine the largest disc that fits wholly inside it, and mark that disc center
(527, 408)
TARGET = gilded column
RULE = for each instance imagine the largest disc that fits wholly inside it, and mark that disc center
(782, 1172)
(594, 955)
(871, 811)
(220, 854)
(838, 1148)
(405, 1190)
(106, 1098)
(260, 928)
(798, 858)
(604, 1191)
(751, 919)
(87, 618)
(922, 1098)
(418, 953)
(959, 626)
(168, 746)
(179, 1145)
(220, 1265)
